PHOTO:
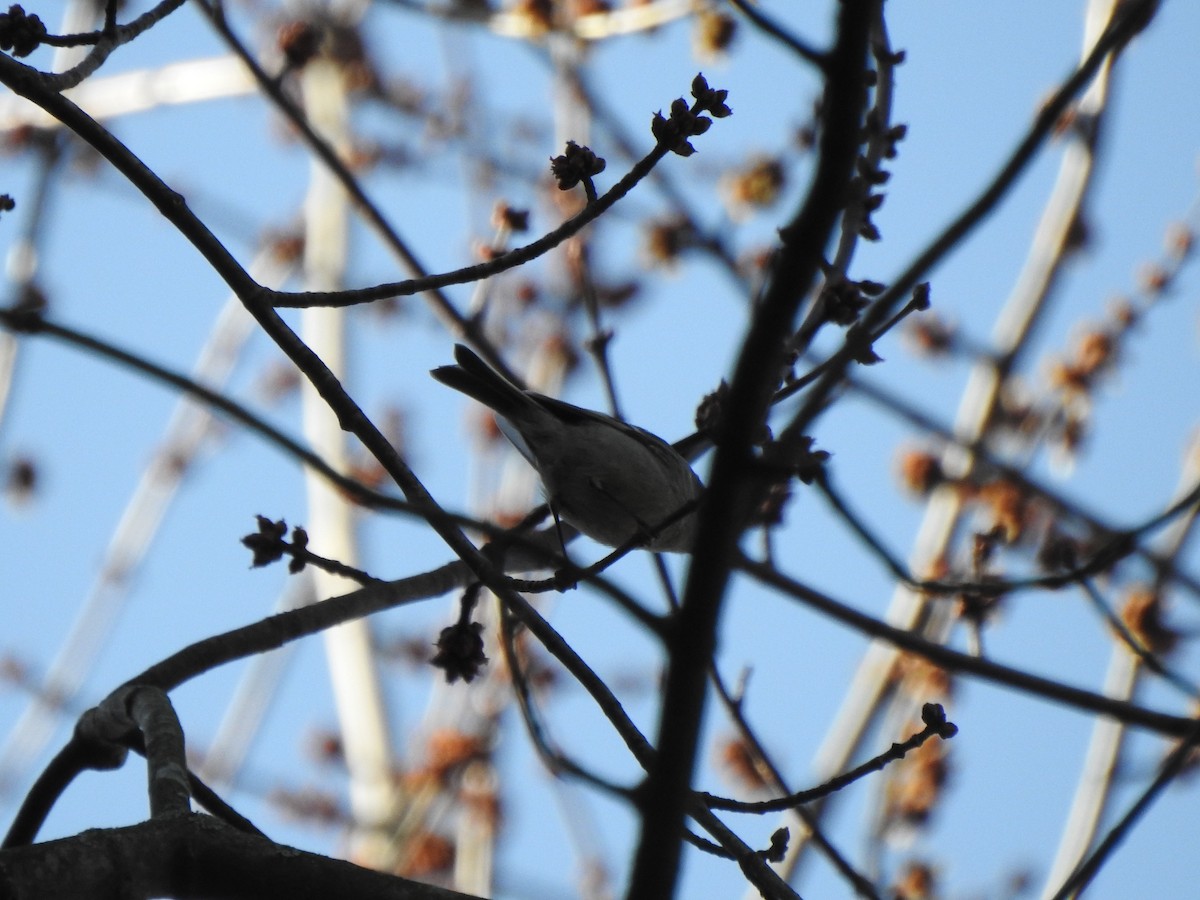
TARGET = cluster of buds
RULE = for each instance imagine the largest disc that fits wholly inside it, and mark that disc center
(20, 32)
(713, 34)
(917, 880)
(1093, 354)
(756, 185)
(890, 135)
(1142, 613)
(21, 480)
(268, 544)
(931, 336)
(299, 41)
(867, 229)
(578, 164)
(460, 651)
(843, 300)
(869, 175)
(667, 239)
(920, 471)
(510, 218)
(686, 120)
(460, 646)
(711, 410)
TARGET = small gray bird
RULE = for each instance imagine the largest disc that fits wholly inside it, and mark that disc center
(610, 480)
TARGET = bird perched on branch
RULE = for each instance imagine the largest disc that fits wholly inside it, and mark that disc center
(612, 481)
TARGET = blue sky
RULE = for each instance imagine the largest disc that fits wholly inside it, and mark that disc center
(973, 77)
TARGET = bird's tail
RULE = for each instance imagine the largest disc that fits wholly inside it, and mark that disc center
(475, 378)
